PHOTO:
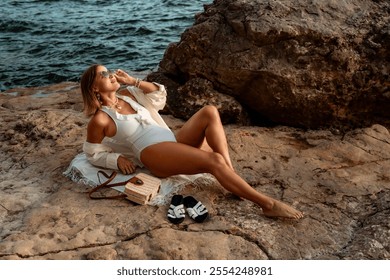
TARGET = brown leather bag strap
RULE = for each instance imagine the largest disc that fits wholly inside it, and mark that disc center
(107, 184)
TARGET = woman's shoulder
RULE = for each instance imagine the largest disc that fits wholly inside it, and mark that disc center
(100, 119)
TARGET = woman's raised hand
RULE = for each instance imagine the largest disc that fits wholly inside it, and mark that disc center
(123, 78)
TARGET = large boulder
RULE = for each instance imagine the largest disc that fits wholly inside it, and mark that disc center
(304, 63)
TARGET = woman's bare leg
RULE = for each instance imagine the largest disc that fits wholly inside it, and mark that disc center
(205, 124)
(170, 158)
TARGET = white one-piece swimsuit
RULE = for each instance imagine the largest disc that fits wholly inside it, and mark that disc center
(139, 130)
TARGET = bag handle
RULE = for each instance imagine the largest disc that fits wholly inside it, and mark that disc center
(107, 184)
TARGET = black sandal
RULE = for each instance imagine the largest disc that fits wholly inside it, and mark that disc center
(195, 209)
(176, 213)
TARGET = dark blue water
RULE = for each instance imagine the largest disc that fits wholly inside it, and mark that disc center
(50, 41)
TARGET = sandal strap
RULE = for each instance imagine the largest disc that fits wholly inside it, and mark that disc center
(197, 210)
(176, 211)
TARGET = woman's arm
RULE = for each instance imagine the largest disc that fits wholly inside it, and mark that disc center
(154, 99)
(97, 126)
(99, 154)
(123, 78)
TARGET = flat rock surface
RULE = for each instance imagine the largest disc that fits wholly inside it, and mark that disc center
(340, 180)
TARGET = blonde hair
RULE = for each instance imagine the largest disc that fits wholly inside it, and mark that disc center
(91, 102)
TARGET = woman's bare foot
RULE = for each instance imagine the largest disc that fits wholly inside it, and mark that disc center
(281, 210)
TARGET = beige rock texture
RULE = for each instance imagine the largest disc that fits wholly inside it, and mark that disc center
(341, 180)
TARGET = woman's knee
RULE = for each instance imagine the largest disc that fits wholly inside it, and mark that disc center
(211, 112)
(216, 162)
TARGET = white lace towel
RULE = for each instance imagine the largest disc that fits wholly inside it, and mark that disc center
(81, 171)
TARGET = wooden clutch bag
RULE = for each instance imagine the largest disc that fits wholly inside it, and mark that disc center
(142, 188)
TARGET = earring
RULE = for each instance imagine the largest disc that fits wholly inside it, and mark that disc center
(98, 97)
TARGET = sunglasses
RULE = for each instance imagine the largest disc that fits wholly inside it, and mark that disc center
(106, 74)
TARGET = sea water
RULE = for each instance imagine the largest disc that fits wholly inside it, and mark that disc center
(50, 41)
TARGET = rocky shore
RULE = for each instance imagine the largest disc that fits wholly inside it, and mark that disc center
(341, 180)
(301, 63)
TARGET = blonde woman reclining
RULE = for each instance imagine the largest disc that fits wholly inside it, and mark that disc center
(119, 117)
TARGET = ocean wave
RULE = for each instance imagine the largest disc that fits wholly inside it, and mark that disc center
(16, 26)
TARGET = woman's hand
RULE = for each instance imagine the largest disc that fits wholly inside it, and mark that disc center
(125, 165)
(123, 78)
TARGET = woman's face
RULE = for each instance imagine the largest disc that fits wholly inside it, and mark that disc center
(105, 80)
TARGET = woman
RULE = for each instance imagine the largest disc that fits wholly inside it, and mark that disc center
(118, 117)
